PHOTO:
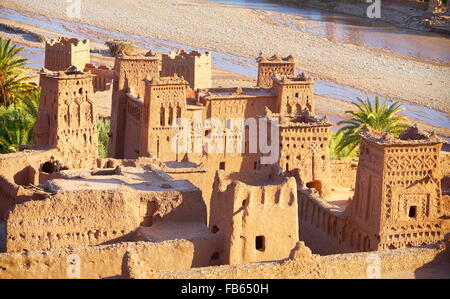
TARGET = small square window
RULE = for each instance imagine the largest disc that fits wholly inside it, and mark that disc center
(222, 165)
(260, 243)
(412, 212)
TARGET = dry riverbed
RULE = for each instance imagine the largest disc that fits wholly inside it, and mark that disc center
(245, 32)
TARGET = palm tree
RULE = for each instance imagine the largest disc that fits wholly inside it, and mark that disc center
(103, 137)
(17, 122)
(13, 82)
(380, 117)
(16, 128)
(334, 140)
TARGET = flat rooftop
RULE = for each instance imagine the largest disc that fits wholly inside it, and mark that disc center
(138, 178)
(234, 93)
(165, 231)
(339, 198)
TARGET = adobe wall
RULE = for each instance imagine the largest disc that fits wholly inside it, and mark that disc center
(129, 75)
(270, 66)
(95, 217)
(61, 53)
(107, 260)
(72, 219)
(133, 118)
(239, 107)
(237, 209)
(294, 94)
(399, 263)
(103, 76)
(305, 148)
(164, 103)
(398, 193)
(322, 227)
(22, 168)
(194, 67)
(343, 172)
(67, 117)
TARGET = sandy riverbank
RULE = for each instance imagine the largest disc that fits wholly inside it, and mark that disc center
(244, 32)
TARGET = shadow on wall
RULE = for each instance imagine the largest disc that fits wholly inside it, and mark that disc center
(24, 176)
(2, 236)
(439, 267)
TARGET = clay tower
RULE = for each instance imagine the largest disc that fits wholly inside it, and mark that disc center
(398, 199)
(195, 67)
(164, 103)
(270, 66)
(129, 75)
(67, 117)
(62, 53)
(295, 94)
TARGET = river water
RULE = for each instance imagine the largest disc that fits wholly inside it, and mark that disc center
(231, 63)
(355, 30)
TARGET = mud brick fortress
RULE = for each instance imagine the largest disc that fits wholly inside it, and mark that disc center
(160, 207)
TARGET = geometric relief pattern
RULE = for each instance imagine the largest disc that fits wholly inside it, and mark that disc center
(405, 163)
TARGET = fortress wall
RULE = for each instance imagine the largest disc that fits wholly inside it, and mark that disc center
(396, 263)
(321, 227)
(107, 260)
(200, 179)
(95, 217)
(103, 76)
(82, 218)
(22, 168)
(133, 116)
(237, 210)
(8, 193)
(11, 194)
(343, 172)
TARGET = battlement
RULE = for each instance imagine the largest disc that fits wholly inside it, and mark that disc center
(287, 79)
(194, 66)
(275, 65)
(150, 55)
(239, 92)
(305, 119)
(175, 80)
(182, 54)
(275, 59)
(64, 52)
(66, 42)
(70, 73)
(411, 136)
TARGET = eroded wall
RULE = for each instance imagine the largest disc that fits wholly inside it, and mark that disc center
(401, 263)
(237, 209)
(107, 260)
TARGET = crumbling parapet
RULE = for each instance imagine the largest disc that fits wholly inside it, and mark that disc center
(103, 76)
(275, 65)
(63, 52)
(195, 67)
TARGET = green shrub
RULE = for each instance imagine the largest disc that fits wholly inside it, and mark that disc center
(118, 46)
(103, 126)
